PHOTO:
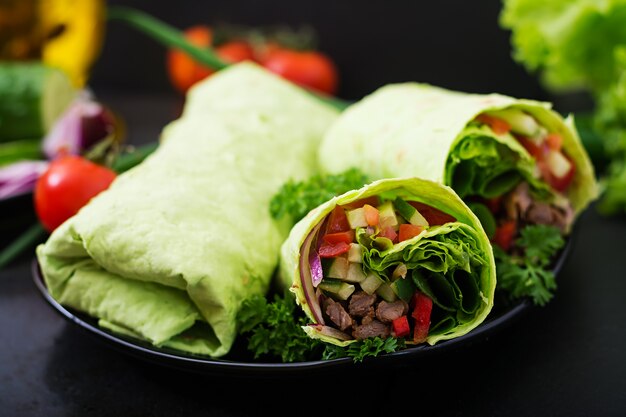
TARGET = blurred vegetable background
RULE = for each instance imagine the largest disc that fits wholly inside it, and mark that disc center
(580, 46)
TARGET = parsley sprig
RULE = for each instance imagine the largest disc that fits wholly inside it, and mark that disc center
(526, 272)
(296, 199)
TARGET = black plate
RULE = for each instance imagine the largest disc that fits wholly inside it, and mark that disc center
(238, 363)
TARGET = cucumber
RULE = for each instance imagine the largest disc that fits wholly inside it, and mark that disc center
(386, 292)
(341, 290)
(338, 268)
(33, 97)
(355, 254)
(355, 273)
(410, 213)
(20, 150)
(371, 283)
(387, 215)
(519, 121)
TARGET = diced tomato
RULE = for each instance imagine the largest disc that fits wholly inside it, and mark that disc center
(535, 150)
(401, 326)
(338, 221)
(407, 231)
(330, 250)
(499, 126)
(504, 234)
(561, 183)
(433, 216)
(334, 238)
(422, 307)
(372, 201)
(554, 141)
(389, 233)
(372, 216)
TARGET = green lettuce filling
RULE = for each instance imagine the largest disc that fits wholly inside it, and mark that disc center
(488, 165)
(445, 264)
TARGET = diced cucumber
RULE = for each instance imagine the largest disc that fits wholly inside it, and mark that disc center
(519, 121)
(341, 290)
(559, 165)
(356, 218)
(355, 254)
(410, 213)
(338, 268)
(387, 215)
(400, 271)
(355, 273)
(404, 288)
(33, 97)
(385, 291)
(371, 283)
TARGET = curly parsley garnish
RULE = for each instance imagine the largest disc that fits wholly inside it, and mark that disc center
(526, 273)
(296, 199)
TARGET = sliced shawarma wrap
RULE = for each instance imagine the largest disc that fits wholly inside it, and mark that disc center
(171, 250)
(396, 258)
(518, 157)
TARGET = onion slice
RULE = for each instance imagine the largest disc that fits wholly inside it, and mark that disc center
(20, 177)
(306, 278)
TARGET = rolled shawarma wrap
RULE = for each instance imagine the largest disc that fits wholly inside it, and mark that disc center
(402, 257)
(172, 249)
(519, 158)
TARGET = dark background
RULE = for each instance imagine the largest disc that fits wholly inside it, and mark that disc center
(456, 44)
(565, 359)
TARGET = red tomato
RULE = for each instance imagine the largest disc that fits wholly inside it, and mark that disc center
(310, 69)
(554, 141)
(372, 215)
(330, 250)
(499, 126)
(536, 151)
(338, 221)
(561, 183)
(183, 71)
(407, 231)
(433, 216)
(390, 234)
(334, 238)
(235, 51)
(66, 186)
(504, 234)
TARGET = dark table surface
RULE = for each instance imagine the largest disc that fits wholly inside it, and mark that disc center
(565, 359)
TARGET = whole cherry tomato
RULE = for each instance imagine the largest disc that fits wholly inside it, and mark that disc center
(310, 69)
(67, 185)
(184, 71)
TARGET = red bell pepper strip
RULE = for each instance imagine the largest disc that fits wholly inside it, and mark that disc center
(422, 307)
(401, 326)
(338, 221)
(328, 250)
(504, 234)
(334, 238)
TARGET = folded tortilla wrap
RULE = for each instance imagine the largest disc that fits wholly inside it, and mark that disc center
(412, 129)
(450, 261)
(171, 250)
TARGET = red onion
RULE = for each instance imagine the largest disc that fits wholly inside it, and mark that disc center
(20, 177)
(84, 124)
(305, 276)
(315, 263)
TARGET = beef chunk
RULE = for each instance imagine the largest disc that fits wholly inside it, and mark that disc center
(361, 304)
(337, 314)
(388, 312)
(372, 329)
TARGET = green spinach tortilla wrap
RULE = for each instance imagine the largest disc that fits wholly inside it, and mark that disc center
(171, 250)
(402, 257)
(514, 161)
